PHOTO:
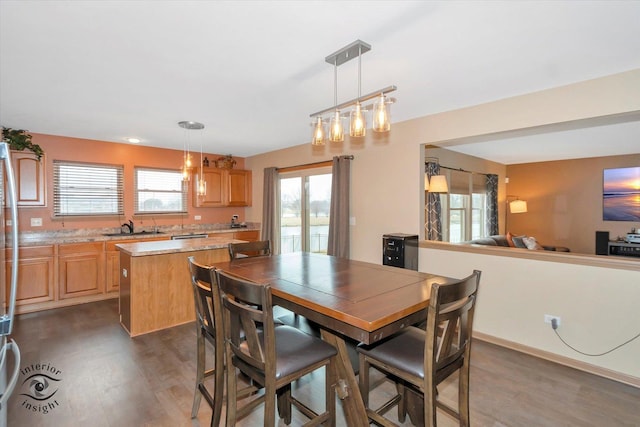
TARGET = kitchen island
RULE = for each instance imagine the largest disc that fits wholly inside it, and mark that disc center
(155, 284)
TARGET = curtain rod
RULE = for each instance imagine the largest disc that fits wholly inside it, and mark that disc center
(350, 157)
(460, 169)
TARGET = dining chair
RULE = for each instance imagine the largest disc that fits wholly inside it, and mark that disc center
(249, 249)
(420, 359)
(272, 357)
(209, 328)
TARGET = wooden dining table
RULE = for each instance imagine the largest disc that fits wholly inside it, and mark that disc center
(346, 298)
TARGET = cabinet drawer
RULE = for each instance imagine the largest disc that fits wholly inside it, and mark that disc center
(250, 235)
(32, 252)
(76, 248)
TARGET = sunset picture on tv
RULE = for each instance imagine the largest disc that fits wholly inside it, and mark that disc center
(621, 194)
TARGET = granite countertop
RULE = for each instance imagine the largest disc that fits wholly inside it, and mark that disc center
(159, 247)
(53, 237)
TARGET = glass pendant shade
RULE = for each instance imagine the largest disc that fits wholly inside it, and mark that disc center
(318, 133)
(336, 130)
(358, 123)
(202, 185)
(381, 117)
(185, 173)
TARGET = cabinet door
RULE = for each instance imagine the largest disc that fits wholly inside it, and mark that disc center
(30, 178)
(239, 188)
(35, 275)
(80, 269)
(215, 195)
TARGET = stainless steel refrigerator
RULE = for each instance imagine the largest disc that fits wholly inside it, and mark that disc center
(9, 352)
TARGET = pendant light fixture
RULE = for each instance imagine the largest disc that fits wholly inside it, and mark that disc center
(187, 160)
(358, 122)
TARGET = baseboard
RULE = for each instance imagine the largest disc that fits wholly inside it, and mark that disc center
(562, 360)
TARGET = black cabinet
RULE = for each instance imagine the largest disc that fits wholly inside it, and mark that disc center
(400, 250)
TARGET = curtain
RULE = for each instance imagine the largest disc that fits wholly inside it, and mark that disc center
(433, 209)
(492, 204)
(269, 207)
(338, 243)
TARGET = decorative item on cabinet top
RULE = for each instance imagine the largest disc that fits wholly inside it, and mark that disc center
(20, 140)
(225, 162)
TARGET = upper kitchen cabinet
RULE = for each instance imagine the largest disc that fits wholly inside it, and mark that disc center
(30, 177)
(225, 187)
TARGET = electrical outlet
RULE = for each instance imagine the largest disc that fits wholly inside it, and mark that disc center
(197, 218)
(549, 317)
(36, 222)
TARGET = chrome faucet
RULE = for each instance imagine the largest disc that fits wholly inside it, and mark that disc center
(129, 226)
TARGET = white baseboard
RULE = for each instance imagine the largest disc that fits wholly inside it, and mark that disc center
(562, 360)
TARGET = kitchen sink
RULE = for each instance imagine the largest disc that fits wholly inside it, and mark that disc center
(137, 233)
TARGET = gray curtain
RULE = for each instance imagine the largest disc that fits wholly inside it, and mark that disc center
(433, 210)
(492, 204)
(338, 244)
(269, 204)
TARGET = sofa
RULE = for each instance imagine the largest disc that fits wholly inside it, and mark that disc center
(511, 241)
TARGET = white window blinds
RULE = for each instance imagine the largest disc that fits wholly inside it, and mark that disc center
(81, 189)
(159, 191)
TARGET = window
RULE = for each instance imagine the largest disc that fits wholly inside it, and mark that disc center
(464, 207)
(305, 199)
(159, 191)
(87, 189)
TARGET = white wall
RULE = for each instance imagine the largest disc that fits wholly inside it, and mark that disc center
(598, 306)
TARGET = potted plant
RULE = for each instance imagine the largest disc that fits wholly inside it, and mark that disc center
(20, 140)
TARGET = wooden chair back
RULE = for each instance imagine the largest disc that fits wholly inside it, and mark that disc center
(206, 295)
(249, 249)
(248, 320)
(448, 336)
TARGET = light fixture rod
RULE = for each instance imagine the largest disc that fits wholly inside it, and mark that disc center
(347, 53)
(362, 99)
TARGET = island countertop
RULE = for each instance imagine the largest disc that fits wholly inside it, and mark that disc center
(160, 247)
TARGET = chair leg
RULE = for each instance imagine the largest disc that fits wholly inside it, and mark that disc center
(269, 407)
(231, 394)
(463, 394)
(200, 366)
(218, 393)
(284, 403)
(402, 403)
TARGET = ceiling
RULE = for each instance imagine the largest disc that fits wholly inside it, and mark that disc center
(253, 71)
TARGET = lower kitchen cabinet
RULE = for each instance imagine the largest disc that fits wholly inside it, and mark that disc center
(248, 235)
(81, 269)
(112, 262)
(36, 278)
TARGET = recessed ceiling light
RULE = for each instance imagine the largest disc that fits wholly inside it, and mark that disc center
(133, 140)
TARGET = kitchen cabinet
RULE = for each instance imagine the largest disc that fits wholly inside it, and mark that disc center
(30, 178)
(225, 187)
(112, 262)
(248, 235)
(81, 269)
(36, 278)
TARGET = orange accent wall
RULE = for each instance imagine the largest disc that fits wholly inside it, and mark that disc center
(564, 201)
(85, 150)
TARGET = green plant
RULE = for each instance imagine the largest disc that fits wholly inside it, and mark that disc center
(20, 140)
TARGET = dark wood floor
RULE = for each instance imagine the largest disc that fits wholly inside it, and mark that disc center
(106, 378)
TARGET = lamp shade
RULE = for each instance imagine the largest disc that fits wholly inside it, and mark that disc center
(317, 138)
(381, 120)
(518, 206)
(438, 184)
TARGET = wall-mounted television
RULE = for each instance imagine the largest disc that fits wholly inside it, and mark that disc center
(621, 194)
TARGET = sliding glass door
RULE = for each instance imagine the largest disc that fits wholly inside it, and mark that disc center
(305, 199)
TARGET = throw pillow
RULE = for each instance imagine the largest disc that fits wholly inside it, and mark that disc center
(531, 243)
(510, 240)
(518, 243)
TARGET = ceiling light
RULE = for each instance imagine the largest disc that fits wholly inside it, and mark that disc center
(357, 128)
(133, 140)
